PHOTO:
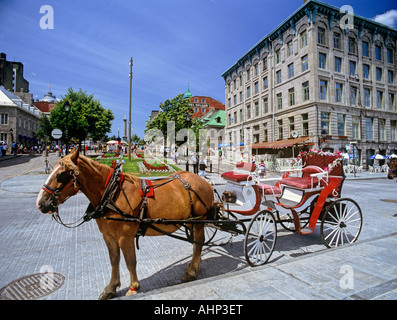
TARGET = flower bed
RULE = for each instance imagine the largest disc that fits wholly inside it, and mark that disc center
(115, 155)
(145, 166)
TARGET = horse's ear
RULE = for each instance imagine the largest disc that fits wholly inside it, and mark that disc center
(75, 155)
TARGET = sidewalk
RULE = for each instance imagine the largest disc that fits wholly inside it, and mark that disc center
(366, 270)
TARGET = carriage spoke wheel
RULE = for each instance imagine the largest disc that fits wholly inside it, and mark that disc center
(260, 238)
(209, 231)
(287, 220)
(341, 223)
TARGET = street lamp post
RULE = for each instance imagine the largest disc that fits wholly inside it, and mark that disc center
(129, 119)
(187, 119)
(67, 109)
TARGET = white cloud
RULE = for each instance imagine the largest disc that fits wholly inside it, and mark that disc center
(388, 18)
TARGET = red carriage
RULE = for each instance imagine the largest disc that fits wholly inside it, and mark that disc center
(298, 202)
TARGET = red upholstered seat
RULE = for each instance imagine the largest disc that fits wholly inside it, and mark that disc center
(268, 189)
(302, 183)
(236, 177)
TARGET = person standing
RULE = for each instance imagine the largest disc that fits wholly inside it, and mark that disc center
(202, 167)
(262, 169)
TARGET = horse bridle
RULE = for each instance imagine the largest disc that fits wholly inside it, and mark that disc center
(67, 179)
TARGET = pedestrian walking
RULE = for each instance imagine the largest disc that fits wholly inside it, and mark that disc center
(202, 167)
(262, 169)
(4, 149)
(195, 162)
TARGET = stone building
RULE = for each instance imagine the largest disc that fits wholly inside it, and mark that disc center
(11, 75)
(18, 120)
(324, 79)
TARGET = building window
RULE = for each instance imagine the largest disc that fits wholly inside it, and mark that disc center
(325, 123)
(353, 96)
(341, 124)
(264, 64)
(392, 107)
(265, 105)
(322, 59)
(241, 115)
(235, 99)
(366, 71)
(229, 103)
(241, 96)
(339, 92)
(305, 124)
(256, 87)
(365, 49)
(3, 137)
(291, 97)
(338, 64)
(278, 76)
(256, 70)
(356, 127)
(378, 52)
(291, 71)
(248, 112)
(393, 129)
(305, 63)
(235, 117)
(279, 101)
(256, 109)
(378, 74)
(279, 129)
(265, 137)
(352, 67)
(249, 92)
(290, 49)
(303, 39)
(337, 41)
(352, 45)
(390, 76)
(390, 56)
(248, 75)
(382, 129)
(229, 119)
(323, 90)
(265, 83)
(291, 125)
(379, 99)
(4, 119)
(367, 98)
(305, 89)
(321, 36)
(278, 56)
(369, 129)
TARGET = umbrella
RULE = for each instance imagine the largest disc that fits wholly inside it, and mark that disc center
(391, 156)
(377, 156)
(239, 144)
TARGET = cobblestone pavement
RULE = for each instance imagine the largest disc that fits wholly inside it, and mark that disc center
(31, 241)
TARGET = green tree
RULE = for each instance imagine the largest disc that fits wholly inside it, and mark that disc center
(86, 117)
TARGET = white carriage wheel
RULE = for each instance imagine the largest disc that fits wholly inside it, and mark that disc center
(341, 223)
(260, 238)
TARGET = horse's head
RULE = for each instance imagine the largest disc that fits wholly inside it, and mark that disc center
(392, 172)
(61, 184)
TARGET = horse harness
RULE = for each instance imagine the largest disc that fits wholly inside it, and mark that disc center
(114, 183)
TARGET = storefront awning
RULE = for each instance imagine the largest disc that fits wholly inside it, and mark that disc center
(281, 143)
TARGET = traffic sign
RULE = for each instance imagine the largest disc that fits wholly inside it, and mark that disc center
(56, 133)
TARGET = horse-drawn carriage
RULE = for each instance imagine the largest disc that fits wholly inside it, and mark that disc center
(127, 207)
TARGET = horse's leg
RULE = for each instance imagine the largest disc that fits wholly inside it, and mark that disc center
(194, 266)
(114, 254)
(128, 247)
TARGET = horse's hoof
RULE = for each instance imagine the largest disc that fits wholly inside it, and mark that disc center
(189, 277)
(131, 292)
(107, 295)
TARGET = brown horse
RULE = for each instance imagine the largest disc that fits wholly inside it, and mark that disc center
(172, 200)
(392, 172)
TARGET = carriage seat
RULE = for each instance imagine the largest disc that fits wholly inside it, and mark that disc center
(269, 190)
(239, 175)
(306, 181)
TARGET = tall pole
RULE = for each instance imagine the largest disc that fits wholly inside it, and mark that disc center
(129, 119)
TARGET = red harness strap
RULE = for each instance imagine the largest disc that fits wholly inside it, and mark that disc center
(149, 189)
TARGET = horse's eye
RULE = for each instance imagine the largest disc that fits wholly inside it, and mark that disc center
(63, 177)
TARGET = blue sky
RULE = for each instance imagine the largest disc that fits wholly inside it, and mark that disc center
(172, 42)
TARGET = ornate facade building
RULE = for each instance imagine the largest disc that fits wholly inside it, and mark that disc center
(323, 78)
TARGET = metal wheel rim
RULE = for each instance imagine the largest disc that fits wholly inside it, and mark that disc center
(260, 238)
(342, 223)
